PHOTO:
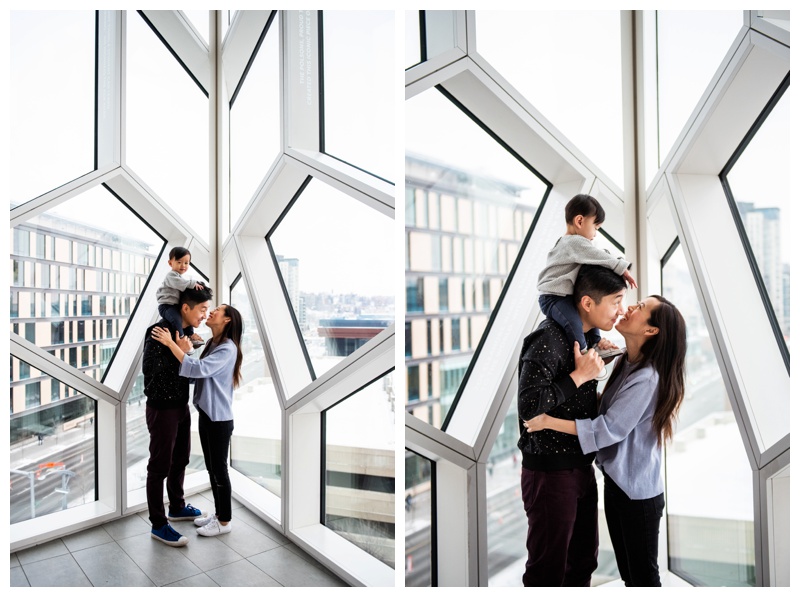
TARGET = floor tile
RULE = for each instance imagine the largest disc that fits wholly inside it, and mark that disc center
(291, 570)
(261, 526)
(127, 527)
(18, 578)
(44, 551)
(61, 571)
(241, 574)
(162, 564)
(208, 553)
(198, 580)
(246, 541)
(109, 566)
(88, 538)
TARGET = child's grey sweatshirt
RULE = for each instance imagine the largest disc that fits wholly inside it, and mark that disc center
(570, 252)
(170, 290)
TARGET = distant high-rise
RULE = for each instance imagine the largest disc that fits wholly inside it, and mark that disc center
(290, 272)
(764, 234)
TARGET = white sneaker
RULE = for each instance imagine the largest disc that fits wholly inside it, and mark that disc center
(204, 520)
(214, 528)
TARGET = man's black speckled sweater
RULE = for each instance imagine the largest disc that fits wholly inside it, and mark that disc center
(545, 362)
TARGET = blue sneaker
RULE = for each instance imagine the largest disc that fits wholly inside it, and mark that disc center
(170, 536)
(188, 512)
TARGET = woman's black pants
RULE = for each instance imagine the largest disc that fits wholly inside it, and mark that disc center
(215, 438)
(633, 527)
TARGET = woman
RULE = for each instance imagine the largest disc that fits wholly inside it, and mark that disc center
(216, 373)
(636, 417)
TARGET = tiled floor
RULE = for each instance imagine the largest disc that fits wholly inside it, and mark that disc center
(122, 554)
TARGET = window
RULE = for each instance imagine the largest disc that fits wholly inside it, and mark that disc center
(709, 511)
(86, 216)
(572, 51)
(359, 118)
(167, 118)
(347, 291)
(758, 180)
(420, 542)
(479, 188)
(256, 440)
(359, 468)
(255, 121)
(46, 129)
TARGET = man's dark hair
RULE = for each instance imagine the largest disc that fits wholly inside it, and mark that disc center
(179, 253)
(596, 281)
(193, 297)
(586, 206)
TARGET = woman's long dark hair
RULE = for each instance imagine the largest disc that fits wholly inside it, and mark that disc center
(666, 351)
(233, 330)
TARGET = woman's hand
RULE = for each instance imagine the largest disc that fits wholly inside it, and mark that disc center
(181, 343)
(162, 335)
(537, 423)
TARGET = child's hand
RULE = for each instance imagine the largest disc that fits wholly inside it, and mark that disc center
(605, 344)
(199, 286)
(629, 279)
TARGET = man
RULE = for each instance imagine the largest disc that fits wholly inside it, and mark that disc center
(168, 420)
(558, 484)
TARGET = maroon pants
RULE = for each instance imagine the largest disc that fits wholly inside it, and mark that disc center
(562, 527)
(169, 455)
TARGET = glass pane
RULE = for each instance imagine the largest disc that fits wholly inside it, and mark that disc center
(138, 438)
(776, 17)
(52, 100)
(199, 20)
(256, 441)
(255, 124)
(760, 182)
(359, 468)
(52, 433)
(413, 53)
(709, 508)
(441, 32)
(76, 278)
(359, 88)
(341, 286)
(227, 19)
(419, 531)
(166, 126)
(473, 206)
(652, 160)
(567, 54)
(691, 46)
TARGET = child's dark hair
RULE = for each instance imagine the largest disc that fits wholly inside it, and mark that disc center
(586, 206)
(179, 253)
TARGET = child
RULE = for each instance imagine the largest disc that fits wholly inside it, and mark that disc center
(170, 290)
(584, 215)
